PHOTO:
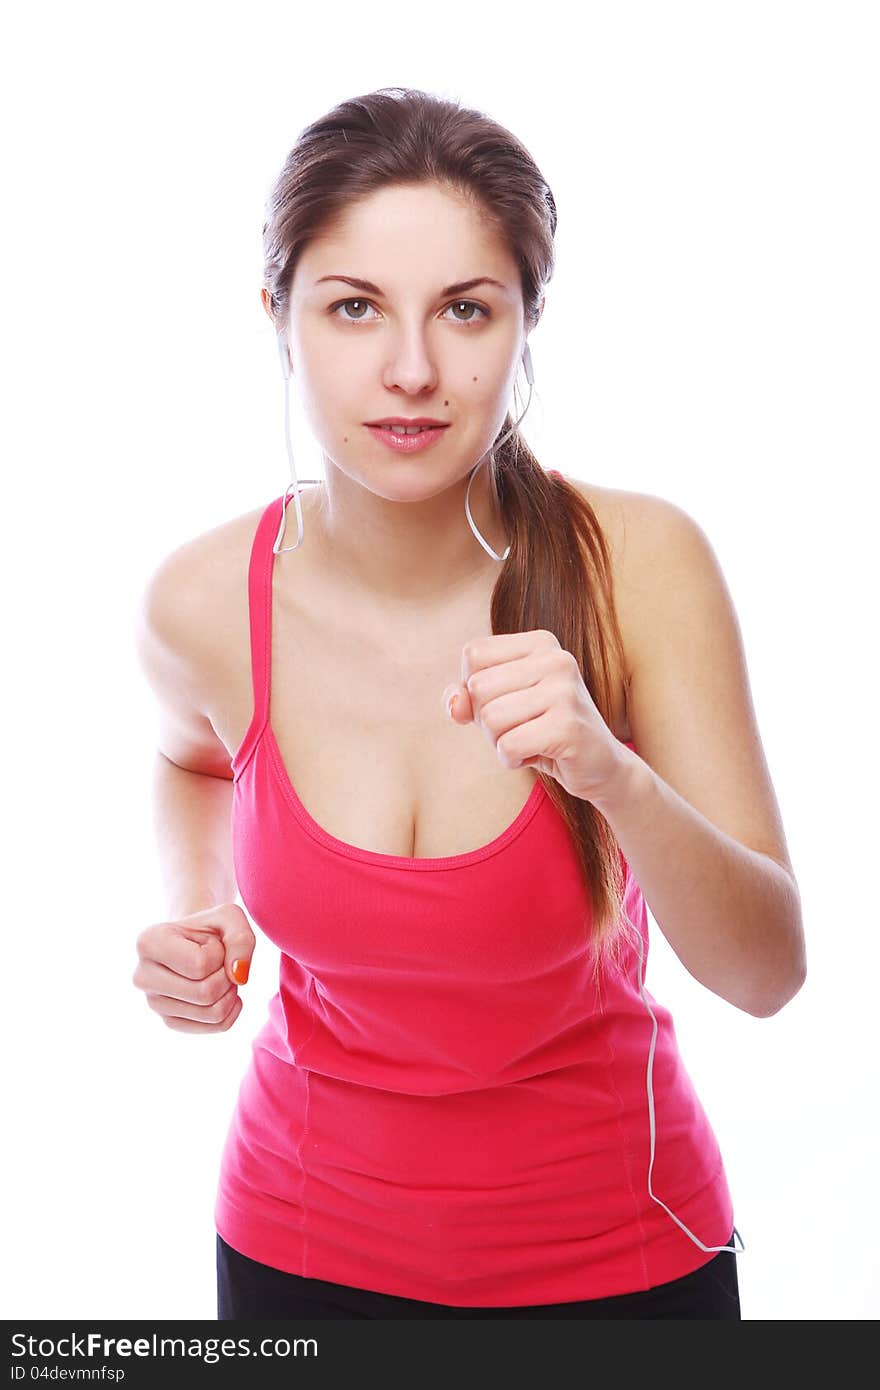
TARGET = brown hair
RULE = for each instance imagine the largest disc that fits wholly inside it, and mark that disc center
(397, 136)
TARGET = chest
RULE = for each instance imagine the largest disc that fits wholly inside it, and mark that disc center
(355, 711)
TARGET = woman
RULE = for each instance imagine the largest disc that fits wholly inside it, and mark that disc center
(446, 1112)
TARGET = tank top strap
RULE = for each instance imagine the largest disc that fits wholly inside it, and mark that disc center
(260, 608)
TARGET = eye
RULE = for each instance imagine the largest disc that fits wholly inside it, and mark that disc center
(468, 304)
(344, 303)
(456, 304)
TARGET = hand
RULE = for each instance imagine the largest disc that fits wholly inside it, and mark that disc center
(185, 968)
(527, 694)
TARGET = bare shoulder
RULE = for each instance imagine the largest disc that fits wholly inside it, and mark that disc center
(629, 519)
(689, 695)
(663, 562)
(632, 523)
(192, 599)
(216, 556)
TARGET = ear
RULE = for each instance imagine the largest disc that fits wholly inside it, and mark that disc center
(267, 302)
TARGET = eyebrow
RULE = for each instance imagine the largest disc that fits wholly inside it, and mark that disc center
(369, 288)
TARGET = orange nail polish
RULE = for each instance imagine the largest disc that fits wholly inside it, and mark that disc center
(240, 970)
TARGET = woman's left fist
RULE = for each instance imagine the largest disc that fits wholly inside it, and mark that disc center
(527, 694)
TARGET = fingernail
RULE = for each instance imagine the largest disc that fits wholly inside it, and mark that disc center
(240, 971)
(450, 704)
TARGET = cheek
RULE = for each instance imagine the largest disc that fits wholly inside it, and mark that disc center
(492, 383)
(331, 392)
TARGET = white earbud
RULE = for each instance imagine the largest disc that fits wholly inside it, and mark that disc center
(527, 363)
(285, 359)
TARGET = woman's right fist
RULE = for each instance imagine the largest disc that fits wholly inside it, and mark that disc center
(185, 968)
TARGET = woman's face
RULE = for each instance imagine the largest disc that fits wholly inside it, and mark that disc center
(407, 348)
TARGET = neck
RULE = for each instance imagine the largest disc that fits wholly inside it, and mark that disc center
(407, 554)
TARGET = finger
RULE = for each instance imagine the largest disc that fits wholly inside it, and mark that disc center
(463, 711)
(187, 951)
(156, 978)
(500, 647)
(519, 725)
(486, 687)
(183, 1025)
(506, 676)
(457, 704)
(516, 746)
(196, 1013)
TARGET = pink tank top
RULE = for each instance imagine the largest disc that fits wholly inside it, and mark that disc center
(440, 1105)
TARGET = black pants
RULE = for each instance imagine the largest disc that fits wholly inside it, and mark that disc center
(248, 1289)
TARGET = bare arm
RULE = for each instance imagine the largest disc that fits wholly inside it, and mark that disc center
(192, 786)
(192, 814)
(695, 812)
(731, 914)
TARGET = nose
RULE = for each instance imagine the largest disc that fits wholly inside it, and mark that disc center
(411, 366)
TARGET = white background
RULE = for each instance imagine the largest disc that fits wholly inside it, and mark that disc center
(710, 336)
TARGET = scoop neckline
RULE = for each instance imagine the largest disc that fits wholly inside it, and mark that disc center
(529, 808)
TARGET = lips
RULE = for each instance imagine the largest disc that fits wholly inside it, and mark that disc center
(408, 425)
(402, 442)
